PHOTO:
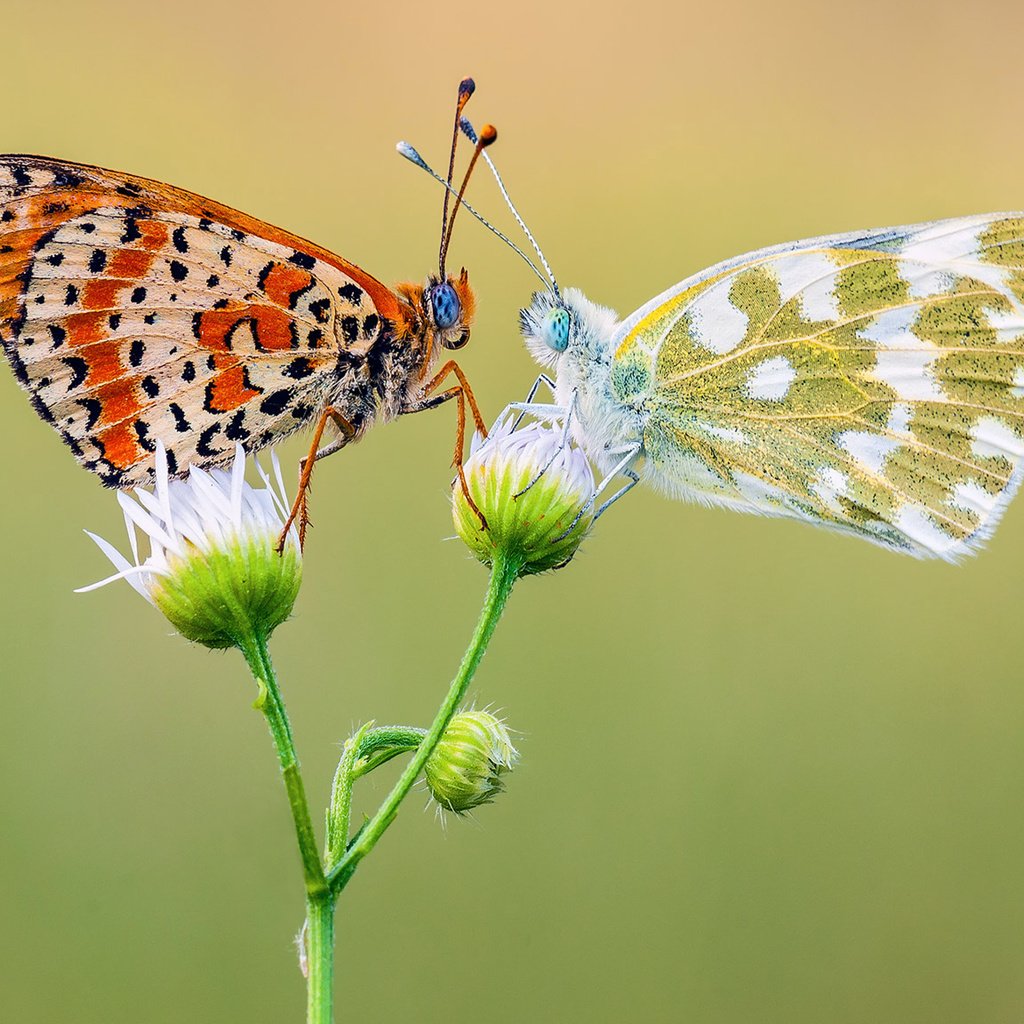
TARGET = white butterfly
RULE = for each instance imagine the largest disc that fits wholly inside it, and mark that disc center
(871, 382)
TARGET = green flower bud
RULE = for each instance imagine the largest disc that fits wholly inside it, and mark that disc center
(213, 569)
(464, 770)
(535, 493)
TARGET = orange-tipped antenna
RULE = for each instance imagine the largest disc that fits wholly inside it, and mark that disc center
(413, 157)
(488, 135)
(470, 132)
(466, 89)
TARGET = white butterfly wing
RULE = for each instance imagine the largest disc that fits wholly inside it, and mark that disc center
(872, 382)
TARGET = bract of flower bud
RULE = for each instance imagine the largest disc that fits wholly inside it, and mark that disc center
(213, 568)
(464, 770)
(534, 489)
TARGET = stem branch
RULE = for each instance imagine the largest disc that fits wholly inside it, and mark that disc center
(503, 576)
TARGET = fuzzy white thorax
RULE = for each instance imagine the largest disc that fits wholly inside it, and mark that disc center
(601, 424)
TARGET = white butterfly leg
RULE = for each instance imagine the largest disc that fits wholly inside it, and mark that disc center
(528, 405)
(563, 413)
(622, 468)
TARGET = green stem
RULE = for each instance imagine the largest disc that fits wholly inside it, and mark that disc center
(368, 749)
(503, 576)
(320, 958)
(272, 706)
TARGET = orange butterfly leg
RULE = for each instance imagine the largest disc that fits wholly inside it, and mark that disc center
(462, 393)
(299, 506)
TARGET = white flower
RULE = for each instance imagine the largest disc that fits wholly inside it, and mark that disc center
(535, 490)
(213, 568)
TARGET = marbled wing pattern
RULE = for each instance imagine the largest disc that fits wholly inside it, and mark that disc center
(873, 383)
(133, 311)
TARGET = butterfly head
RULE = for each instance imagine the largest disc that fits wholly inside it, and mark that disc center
(449, 306)
(550, 326)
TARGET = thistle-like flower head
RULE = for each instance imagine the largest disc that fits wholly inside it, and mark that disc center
(535, 489)
(212, 568)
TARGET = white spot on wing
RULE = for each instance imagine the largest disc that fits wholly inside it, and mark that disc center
(770, 381)
(927, 283)
(892, 329)
(867, 449)
(829, 486)
(899, 418)
(939, 244)
(993, 438)
(915, 522)
(1018, 383)
(910, 374)
(810, 277)
(972, 497)
(725, 433)
(717, 324)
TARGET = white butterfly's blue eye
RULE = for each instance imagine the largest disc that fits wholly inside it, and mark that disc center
(445, 306)
(556, 332)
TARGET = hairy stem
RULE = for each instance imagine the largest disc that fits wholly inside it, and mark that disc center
(320, 958)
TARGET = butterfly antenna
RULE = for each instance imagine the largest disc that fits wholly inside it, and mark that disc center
(470, 133)
(488, 135)
(466, 89)
(413, 157)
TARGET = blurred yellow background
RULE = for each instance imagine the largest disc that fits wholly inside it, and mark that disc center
(769, 774)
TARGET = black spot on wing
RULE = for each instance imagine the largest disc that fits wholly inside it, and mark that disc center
(142, 433)
(181, 423)
(203, 446)
(93, 407)
(302, 259)
(349, 328)
(235, 430)
(79, 370)
(64, 178)
(275, 403)
(299, 368)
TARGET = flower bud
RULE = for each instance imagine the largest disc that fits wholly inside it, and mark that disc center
(464, 769)
(534, 490)
(213, 570)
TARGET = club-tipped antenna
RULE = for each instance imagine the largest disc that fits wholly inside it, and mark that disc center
(413, 157)
(466, 89)
(488, 135)
(470, 132)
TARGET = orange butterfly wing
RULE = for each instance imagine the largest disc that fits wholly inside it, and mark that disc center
(134, 311)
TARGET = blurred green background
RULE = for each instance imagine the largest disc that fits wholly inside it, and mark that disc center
(769, 774)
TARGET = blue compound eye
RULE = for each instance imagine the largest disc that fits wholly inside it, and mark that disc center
(557, 333)
(445, 305)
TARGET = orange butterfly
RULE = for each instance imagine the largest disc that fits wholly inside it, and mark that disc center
(133, 311)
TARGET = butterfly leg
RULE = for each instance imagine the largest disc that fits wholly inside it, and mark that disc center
(526, 406)
(299, 506)
(462, 393)
(566, 426)
(622, 468)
